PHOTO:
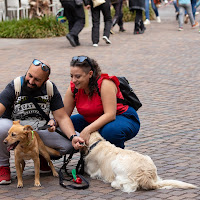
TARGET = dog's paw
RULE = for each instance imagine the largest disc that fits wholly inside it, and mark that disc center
(37, 184)
(20, 185)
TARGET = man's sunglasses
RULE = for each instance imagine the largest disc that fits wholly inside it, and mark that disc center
(81, 59)
(43, 66)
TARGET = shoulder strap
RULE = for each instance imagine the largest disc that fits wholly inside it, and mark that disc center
(19, 81)
(17, 85)
(49, 88)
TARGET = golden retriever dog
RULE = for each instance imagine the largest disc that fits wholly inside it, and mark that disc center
(124, 169)
(27, 145)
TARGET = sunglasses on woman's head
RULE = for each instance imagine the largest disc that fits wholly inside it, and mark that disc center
(43, 66)
(81, 59)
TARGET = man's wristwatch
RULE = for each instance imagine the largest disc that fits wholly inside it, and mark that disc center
(71, 138)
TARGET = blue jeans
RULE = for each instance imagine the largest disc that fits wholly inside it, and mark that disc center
(123, 128)
(175, 6)
(193, 3)
(147, 8)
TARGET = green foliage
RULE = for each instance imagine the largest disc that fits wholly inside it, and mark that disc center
(32, 28)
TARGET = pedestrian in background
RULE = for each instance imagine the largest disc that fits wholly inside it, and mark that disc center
(138, 6)
(76, 19)
(105, 9)
(118, 17)
(155, 9)
(185, 5)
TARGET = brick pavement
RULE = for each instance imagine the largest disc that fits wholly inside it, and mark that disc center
(162, 66)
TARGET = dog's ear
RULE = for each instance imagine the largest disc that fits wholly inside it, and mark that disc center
(16, 122)
(28, 128)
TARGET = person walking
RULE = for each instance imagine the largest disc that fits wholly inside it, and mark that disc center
(105, 9)
(76, 20)
(138, 6)
(155, 9)
(118, 17)
(185, 5)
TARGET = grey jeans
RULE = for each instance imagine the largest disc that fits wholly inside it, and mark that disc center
(50, 139)
(188, 8)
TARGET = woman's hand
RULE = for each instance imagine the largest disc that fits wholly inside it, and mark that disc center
(53, 124)
(85, 134)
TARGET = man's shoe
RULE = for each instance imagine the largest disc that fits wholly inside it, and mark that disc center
(106, 40)
(180, 29)
(121, 29)
(71, 39)
(195, 25)
(95, 45)
(177, 15)
(76, 39)
(158, 19)
(186, 19)
(147, 21)
(4, 175)
(44, 167)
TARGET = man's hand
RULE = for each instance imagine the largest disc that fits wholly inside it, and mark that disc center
(53, 124)
(77, 142)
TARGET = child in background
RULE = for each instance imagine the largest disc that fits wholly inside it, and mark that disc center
(185, 5)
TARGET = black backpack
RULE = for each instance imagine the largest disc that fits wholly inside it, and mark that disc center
(130, 97)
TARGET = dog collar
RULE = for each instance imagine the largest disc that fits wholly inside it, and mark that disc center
(94, 145)
(31, 138)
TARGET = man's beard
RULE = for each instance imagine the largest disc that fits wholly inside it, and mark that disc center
(29, 90)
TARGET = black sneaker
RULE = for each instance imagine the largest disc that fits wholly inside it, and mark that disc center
(76, 39)
(71, 39)
(121, 29)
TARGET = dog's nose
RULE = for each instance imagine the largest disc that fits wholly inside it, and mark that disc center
(5, 141)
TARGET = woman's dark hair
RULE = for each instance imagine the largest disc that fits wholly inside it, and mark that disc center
(88, 64)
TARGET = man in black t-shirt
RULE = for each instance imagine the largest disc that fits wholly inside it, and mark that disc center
(20, 107)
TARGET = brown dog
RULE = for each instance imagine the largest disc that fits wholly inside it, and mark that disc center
(28, 145)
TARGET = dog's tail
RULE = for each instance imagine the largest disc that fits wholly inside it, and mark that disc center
(52, 152)
(162, 184)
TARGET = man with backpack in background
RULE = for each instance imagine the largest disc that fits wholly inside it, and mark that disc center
(19, 101)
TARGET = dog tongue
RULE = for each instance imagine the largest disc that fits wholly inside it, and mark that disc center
(10, 147)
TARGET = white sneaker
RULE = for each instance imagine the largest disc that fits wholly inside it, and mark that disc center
(158, 19)
(147, 21)
(196, 13)
(106, 40)
(95, 45)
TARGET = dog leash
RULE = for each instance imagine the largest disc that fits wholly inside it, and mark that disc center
(79, 179)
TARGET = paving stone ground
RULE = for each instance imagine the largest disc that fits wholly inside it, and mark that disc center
(162, 65)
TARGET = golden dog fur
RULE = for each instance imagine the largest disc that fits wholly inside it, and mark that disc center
(125, 169)
(28, 145)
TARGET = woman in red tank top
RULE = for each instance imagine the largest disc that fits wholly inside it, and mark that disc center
(95, 97)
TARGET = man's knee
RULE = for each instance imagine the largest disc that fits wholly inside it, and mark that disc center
(5, 125)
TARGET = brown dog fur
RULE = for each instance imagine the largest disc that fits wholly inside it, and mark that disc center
(27, 145)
